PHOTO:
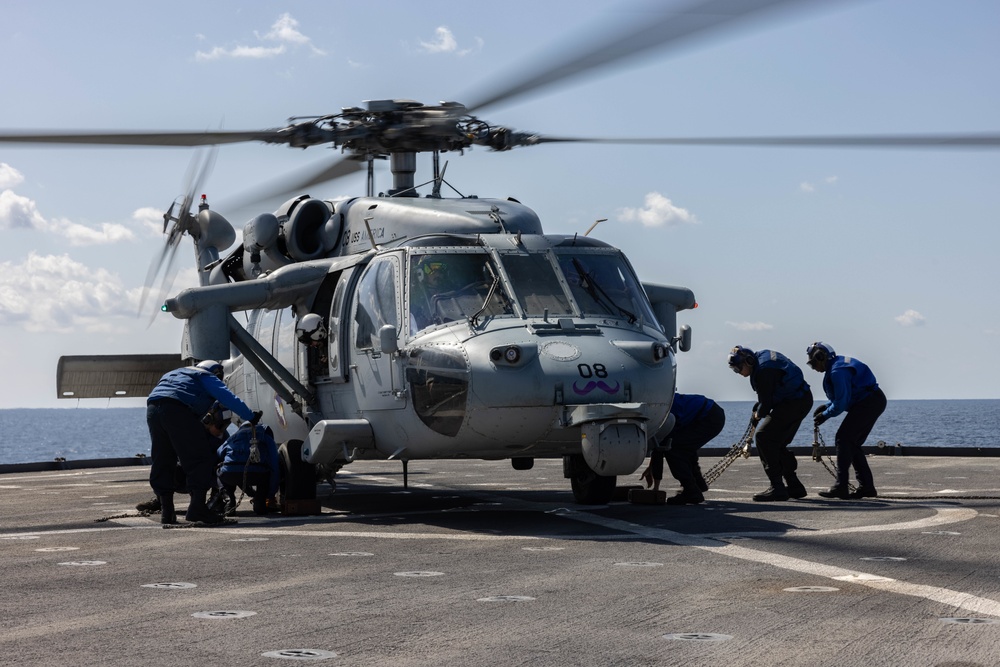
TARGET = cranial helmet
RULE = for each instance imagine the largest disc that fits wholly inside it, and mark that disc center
(819, 353)
(310, 328)
(212, 366)
(738, 356)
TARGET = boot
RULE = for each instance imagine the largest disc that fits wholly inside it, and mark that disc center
(837, 491)
(701, 483)
(198, 512)
(689, 495)
(774, 493)
(864, 492)
(795, 488)
(166, 504)
(151, 505)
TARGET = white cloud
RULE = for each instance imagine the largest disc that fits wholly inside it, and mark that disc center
(444, 42)
(55, 293)
(911, 318)
(750, 326)
(285, 31)
(9, 177)
(18, 212)
(806, 186)
(658, 211)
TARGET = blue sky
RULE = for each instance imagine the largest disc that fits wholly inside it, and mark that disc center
(889, 255)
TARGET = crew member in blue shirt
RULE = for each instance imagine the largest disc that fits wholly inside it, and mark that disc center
(850, 387)
(259, 479)
(783, 401)
(697, 420)
(174, 412)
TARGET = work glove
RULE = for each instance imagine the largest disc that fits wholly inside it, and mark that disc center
(256, 417)
(819, 418)
(818, 410)
(754, 419)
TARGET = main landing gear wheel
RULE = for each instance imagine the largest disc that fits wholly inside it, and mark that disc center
(298, 478)
(589, 488)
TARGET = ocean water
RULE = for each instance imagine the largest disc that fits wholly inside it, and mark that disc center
(29, 435)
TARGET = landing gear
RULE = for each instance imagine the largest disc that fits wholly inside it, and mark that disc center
(589, 488)
(298, 478)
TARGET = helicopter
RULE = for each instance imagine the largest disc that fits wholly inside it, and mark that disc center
(537, 345)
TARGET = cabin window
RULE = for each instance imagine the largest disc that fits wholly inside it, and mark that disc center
(376, 303)
(603, 285)
(536, 285)
(285, 341)
(445, 287)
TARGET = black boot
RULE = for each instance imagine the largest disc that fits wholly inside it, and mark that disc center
(837, 491)
(701, 483)
(774, 493)
(795, 488)
(689, 495)
(167, 513)
(864, 492)
(198, 512)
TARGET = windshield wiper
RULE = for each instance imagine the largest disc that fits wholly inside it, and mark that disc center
(596, 292)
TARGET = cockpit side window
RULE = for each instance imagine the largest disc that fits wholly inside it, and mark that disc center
(376, 303)
(536, 285)
(444, 287)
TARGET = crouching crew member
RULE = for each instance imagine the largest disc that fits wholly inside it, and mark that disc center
(850, 387)
(257, 478)
(697, 420)
(174, 413)
(783, 401)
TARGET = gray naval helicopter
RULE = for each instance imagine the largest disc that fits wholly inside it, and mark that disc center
(409, 325)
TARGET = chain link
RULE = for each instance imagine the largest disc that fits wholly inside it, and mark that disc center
(740, 449)
(819, 451)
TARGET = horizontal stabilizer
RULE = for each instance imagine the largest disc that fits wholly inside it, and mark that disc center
(113, 375)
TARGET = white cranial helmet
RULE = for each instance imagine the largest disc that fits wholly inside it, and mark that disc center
(310, 328)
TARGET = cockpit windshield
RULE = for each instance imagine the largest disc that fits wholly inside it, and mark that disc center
(603, 285)
(445, 287)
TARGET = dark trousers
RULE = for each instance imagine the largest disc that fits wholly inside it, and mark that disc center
(682, 457)
(776, 431)
(853, 432)
(257, 483)
(177, 434)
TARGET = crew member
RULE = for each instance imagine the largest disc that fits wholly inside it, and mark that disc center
(783, 401)
(174, 412)
(850, 387)
(258, 479)
(697, 420)
(430, 277)
(311, 333)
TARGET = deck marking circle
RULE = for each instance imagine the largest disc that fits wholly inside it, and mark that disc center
(20, 537)
(638, 563)
(810, 589)
(223, 613)
(352, 554)
(250, 539)
(543, 548)
(84, 563)
(698, 637)
(507, 598)
(884, 559)
(171, 585)
(940, 532)
(58, 549)
(300, 654)
(418, 574)
(971, 621)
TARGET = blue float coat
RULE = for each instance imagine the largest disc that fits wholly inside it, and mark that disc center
(198, 389)
(846, 382)
(688, 408)
(775, 379)
(235, 452)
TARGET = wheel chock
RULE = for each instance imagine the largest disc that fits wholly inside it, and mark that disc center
(647, 497)
(622, 492)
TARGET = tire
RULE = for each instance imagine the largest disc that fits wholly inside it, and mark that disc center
(589, 488)
(298, 478)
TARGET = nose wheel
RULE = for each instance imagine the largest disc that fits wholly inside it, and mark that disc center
(589, 488)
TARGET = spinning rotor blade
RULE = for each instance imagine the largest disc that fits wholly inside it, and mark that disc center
(296, 182)
(143, 138)
(657, 27)
(950, 141)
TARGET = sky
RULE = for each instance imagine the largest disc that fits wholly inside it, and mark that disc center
(888, 255)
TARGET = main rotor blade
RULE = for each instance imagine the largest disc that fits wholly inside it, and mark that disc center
(142, 138)
(296, 182)
(981, 140)
(657, 28)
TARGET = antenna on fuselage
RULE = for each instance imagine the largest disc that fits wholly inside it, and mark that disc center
(591, 228)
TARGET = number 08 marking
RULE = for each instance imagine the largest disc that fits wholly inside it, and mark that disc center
(588, 371)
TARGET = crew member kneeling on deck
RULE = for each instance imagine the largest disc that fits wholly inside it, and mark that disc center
(697, 420)
(257, 475)
(783, 401)
(850, 387)
(173, 413)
